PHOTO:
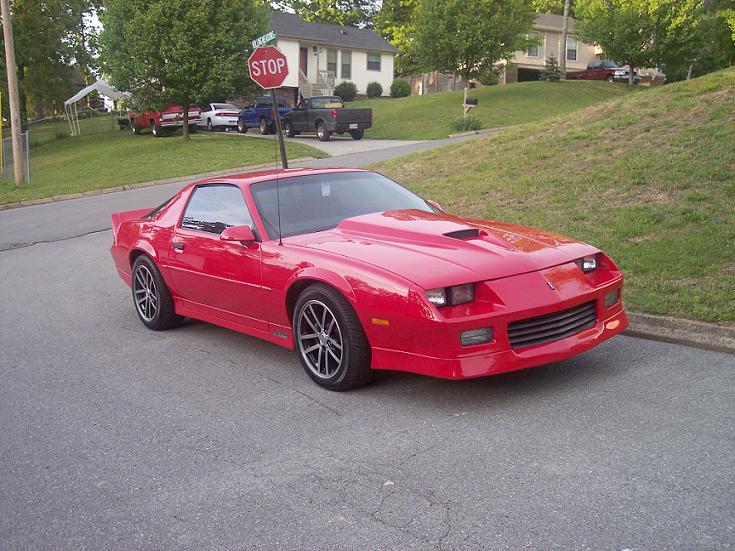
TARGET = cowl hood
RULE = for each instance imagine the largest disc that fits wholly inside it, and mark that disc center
(439, 250)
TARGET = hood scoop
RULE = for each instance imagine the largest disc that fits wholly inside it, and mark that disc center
(469, 233)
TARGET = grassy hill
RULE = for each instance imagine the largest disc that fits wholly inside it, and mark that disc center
(429, 117)
(649, 178)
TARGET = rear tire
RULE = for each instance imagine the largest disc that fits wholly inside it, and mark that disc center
(330, 340)
(322, 133)
(288, 128)
(209, 125)
(133, 127)
(610, 79)
(263, 126)
(241, 128)
(156, 129)
(151, 297)
(357, 134)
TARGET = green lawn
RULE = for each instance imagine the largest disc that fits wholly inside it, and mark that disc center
(649, 178)
(429, 117)
(115, 158)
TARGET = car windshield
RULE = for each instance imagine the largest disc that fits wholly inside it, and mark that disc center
(320, 202)
(611, 64)
(267, 102)
(227, 106)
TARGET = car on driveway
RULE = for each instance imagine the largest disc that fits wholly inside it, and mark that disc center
(326, 115)
(259, 114)
(170, 118)
(605, 69)
(357, 273)
(219, 115)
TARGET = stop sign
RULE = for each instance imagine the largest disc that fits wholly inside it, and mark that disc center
(268, 67)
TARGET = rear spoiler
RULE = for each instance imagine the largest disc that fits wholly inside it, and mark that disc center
(119, 217)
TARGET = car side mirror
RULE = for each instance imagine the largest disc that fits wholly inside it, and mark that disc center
(242, 234)
(436, 205)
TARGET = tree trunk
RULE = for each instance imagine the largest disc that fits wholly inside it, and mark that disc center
(630, 73)
(465, 111)
(690, 72)
(186, 120)
(564, 33)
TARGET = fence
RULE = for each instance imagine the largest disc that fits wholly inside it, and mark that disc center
(7, 161)
(50, 129)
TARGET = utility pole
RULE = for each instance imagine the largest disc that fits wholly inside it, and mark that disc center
(12, 92)
(564, 32)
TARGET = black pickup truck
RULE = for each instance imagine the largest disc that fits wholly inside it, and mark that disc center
(325, 115)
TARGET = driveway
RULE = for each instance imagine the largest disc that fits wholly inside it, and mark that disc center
(341, 145)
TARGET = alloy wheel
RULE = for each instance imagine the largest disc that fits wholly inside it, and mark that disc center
(145, 292)
(320, 339)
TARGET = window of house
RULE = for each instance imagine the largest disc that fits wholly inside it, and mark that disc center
(332, 61)
(373, 62)
(571, 48)
(346, 64)
(533, 49)
(215, 208)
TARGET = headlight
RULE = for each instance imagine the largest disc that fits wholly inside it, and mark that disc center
(587, 263)
(619, 73)
(452, 296)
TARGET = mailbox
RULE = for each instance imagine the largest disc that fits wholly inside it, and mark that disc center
(471, 101)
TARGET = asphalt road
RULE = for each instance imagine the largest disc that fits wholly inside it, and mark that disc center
(115, 437)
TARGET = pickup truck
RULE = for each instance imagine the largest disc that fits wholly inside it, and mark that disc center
(170, 118)
(325, 115)
(259, 114)
(604, 70)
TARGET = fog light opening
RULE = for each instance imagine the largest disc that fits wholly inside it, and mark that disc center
(612, 298)
(474, 337)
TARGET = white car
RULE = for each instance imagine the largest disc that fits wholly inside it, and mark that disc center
(219, 115)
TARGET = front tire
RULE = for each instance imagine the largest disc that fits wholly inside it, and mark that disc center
(241, 128)
(610, 79)
(322, 133)
(156, 129)
(209, 125)
(151, 297)
(263, 126)
(134, 127)
(330, 340)
(288, 128)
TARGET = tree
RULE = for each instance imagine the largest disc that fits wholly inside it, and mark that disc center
(550, 6)
(182, 51)
(551, 70)
(395, 21)
(468, 38)
(355, 13)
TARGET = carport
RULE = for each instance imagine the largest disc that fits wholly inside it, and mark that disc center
(101, 87)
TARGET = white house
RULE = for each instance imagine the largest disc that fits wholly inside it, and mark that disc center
(320, 56)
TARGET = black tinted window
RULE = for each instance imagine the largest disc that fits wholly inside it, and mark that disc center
(215, 208)
(321, 201)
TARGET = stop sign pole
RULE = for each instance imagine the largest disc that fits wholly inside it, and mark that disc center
(268, 68)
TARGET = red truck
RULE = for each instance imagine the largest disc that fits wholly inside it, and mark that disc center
(170, 118)
(604, 70)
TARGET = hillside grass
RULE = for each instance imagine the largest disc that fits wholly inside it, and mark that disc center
(430, 117)
(115, 158)
(649, 178)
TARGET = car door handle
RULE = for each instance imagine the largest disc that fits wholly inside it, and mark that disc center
(178, 247)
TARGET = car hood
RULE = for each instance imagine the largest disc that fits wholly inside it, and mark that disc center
(438, 250)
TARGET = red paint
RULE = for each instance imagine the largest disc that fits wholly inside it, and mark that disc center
(382, 263)
(268, 67)
(172, 116)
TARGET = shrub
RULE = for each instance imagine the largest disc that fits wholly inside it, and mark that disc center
(400, 89)
(551, 70)
(374, 90)
(346, 90)
(465, 124)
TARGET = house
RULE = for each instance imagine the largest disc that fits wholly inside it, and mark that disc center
(320, 56)
(526, 64)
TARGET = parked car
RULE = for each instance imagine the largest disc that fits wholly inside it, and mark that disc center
(604, 70)
(170, 118)
(357, 273)
(219, 115)
(325, 115)
(259, 114)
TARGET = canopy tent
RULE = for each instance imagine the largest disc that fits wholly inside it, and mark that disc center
(101, 87)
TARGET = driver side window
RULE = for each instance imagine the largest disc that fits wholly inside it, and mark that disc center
(214, 208)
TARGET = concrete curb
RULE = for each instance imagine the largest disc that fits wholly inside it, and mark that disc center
(57, 198)
(700, 334)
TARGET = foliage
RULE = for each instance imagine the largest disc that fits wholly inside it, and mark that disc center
(374, 90)
(456, 36)
(466, 123)
(399, 88)
(551, 70)
(184, 52)
(646, 177)
(346, 90)
(355, 13)
(551, 6)
(395, 21)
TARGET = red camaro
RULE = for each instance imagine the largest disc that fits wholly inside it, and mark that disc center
(358, 273)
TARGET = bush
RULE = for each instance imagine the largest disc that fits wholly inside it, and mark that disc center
(400, 89)
(551, 70)
(346, 90)
(374, 90)
(465, 124)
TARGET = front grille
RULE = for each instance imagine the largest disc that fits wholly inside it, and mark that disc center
(552, 327)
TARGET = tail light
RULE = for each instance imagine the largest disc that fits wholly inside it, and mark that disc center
(334, 114)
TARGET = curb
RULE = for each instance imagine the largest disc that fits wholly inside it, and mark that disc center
(126, 187)
(496, 130)
(699, 334)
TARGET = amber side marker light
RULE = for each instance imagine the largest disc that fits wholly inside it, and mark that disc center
(378, 321)
(612, 324)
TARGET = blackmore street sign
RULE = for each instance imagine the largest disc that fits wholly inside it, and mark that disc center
(262, 40)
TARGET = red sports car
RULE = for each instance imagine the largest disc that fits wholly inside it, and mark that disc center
(358, 273)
